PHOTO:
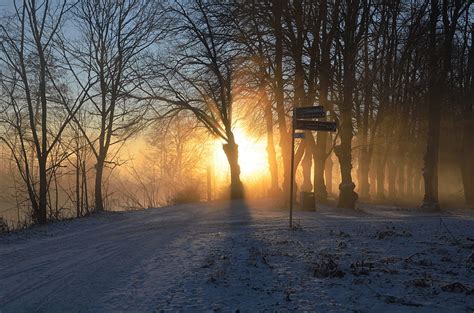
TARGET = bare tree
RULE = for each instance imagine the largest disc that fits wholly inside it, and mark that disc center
(37, 107)
(351, 37)
(439, 68)
(200, 77)
(251, 35)
(115, 36)
(467, 155)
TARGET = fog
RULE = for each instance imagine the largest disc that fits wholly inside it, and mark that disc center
(137, 104)
(183, 164)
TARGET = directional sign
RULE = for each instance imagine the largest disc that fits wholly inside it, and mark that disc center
(302, 119)
(315, 125)
(309, 112)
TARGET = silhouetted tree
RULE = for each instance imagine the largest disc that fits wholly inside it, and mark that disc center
(199, 77)
(114, 38)
(37, 106)
(439, 67)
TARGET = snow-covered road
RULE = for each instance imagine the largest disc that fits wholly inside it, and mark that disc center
(229, 257)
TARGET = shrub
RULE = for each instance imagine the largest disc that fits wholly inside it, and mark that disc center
(4, 226)
(187, 194)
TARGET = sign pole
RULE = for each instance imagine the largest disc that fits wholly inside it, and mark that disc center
(292, 169)
(303, 119)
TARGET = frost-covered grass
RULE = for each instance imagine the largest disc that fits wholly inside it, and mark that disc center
(229, 257)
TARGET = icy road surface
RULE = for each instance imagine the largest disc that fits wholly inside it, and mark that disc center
(229, 257)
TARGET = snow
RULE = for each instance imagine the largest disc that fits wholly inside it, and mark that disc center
(228, 257)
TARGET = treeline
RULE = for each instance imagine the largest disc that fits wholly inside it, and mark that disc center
(80, 79)
(396, 75)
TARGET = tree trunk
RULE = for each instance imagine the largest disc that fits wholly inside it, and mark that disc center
(416, 177)
(271, 153)
(430, 169)
(34, 203)
(373, 181)
(364, 174)
(99, 172)
(401, 178)
(410, 172)
(320, 185)
(307, 163)
(392, 179)
(78, 187)
(466, 160)
(328, 167)
(320, 188)
(347, 195)
(380, 170)
(85, 194)
(43, 192)
(467, 166)
(42, 217)
(231, 150)
(285, 140)
(366, 147)
(323, 164)
(365, 153)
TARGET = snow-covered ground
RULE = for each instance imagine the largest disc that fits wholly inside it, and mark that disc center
(230, 257)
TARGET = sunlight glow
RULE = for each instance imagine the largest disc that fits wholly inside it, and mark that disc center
(252, 157)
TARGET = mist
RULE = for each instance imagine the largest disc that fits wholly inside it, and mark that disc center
(236, 156)
(188, 111)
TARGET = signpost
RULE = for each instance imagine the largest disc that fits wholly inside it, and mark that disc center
(303, 120)
(309, 112)
(298, 135)
(315, 125)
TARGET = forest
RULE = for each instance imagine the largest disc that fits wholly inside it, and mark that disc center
(118, 105)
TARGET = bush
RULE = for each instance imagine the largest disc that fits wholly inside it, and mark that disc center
(187, 194)
(4, 226)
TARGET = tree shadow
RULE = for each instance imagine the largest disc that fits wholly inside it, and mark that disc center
(236, 273)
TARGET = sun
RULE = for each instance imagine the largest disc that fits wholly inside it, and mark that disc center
(252, 156)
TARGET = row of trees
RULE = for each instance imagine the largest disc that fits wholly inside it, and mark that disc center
(388, 71)
(79, 79)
